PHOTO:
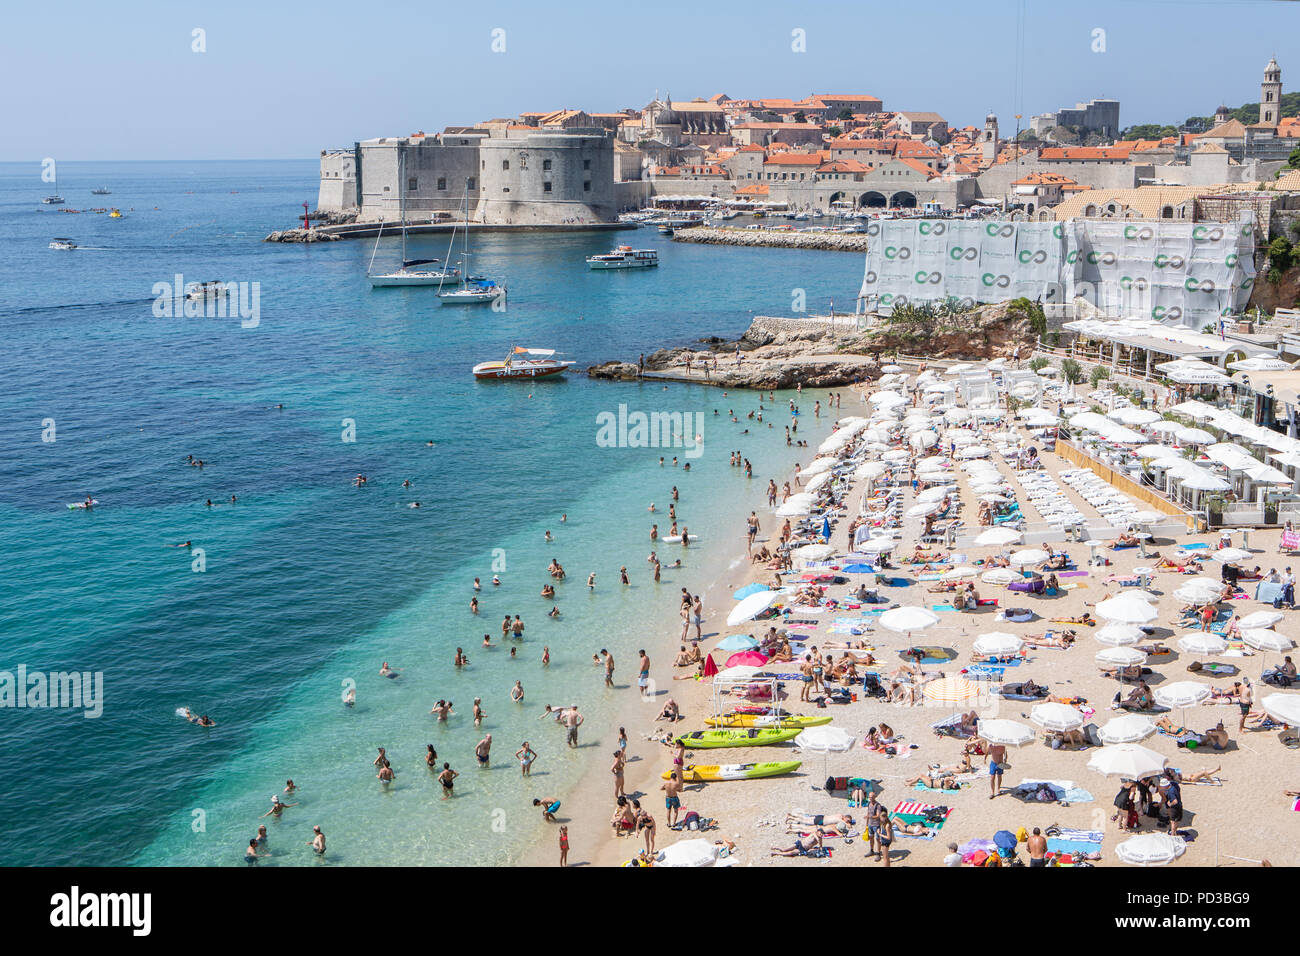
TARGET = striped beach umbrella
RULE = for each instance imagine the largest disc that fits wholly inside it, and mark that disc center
(951, 690)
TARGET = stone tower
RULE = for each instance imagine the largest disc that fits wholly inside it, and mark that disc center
(989, 142)
(1221, 115)
(1270, 94)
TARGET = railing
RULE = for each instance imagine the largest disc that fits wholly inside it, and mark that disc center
(1122, 482)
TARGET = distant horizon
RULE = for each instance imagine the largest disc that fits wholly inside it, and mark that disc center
(184, 83)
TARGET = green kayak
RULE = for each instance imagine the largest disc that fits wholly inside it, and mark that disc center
(739, 737)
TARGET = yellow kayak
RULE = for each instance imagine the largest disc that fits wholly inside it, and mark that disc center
(694, 773)
(788, 722)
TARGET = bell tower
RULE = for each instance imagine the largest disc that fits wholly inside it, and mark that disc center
(989, 142)
(1270, 94)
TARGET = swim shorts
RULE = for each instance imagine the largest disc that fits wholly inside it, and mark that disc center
(672, 803)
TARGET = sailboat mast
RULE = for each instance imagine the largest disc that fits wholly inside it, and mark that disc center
(401, 196)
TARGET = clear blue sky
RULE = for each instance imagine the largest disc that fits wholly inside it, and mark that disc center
(85, 79)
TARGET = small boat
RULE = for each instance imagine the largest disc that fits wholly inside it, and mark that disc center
(739, 737)
(54, 199)
(783, 722)
(523, 363)
(62, 244)
(410, 272)
(693, 773)
(115, 214)
(471, 294)
(203, 291)
(665, 230)
(99, 191)
(625, 257)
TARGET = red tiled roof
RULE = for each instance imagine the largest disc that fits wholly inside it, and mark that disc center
(794, 159)
(1085, 152)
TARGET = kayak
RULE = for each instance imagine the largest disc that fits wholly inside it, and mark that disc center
(785, 722)
(740, 737)
(735, 771)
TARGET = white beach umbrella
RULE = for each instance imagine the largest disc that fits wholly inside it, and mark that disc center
(1158, 451)
(1088, 420)
(957, 415)
(739, 672)
(938, 493)
(819, 465)
(997, 644)
(1164, 427)
(752, 606)
(1283, 707)
(997, 537)
(794, 508)
(1029, 556)
(1197, 593)
(896, 456)
(1130, 761)
(907, 619)
(1126, 609)
(973, 451)
(1151, 849)
(826, 738)
(817, 482)
(813, 552)
(1259, 363)
(1119, 635)
(1054, 716)
(1265, 640)
(1120, 657)
(1228, 555)
(923, 509)
(959, 368)
(1126, 729)
(1202, 642)
(1199, 479)
(870, 469)
(1145, 517)
(1009, 733)
(1038, 417)
(1185, 693)
(894, 369)
(923, 439)
(1261, 619)
(887, 400)
(960, 573)
(689, 853)
(1000, 576)
(1194, 436)
(1134, 416)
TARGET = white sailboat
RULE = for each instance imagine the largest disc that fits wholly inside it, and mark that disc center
(409, 273)
(54, 199)
(472, 291)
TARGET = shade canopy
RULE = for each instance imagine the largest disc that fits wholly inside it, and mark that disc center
(1151, 849)
(1126, 729)
(1130, 761)
(1006, 732)
(1054, 716)
(1184, 693)
(903, 619)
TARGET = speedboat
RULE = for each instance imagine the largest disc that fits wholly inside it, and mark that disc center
(203, 291)
(62, 244)
(99, 191)
(625, 257)
(523, 363)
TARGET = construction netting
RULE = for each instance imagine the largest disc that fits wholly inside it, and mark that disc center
(1177, 272)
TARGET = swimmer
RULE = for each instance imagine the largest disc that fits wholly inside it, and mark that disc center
(591, 581)
(478, 586)
(483, 750)
(389, 672)
(386, 775)
(546, 651)
(487, 641)
(277, 807)
(478, 712)
(318, 841)
(554, 611)
(525, 755)
(496, 581)
(548, 536)
(350, 697)
(203, 721)
(448, 779)
(461, 659)
(517, 692)
(183, 544)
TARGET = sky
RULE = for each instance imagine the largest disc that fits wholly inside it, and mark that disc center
(276, 79)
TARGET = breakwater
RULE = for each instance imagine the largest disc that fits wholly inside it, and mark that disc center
(774, 238)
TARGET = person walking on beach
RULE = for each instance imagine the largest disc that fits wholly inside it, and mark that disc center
(572, 721)
(697, 614)
(996, 755)
(1245, 699)
(643, 678)
(672, 796)
(751, 530)
(618, 769)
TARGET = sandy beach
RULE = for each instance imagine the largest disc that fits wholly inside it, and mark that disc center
(1240, 818)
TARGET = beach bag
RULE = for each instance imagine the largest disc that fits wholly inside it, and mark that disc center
(936, 814)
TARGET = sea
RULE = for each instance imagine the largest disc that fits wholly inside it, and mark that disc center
(298, 585)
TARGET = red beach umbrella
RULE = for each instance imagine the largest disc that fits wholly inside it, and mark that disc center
(750, 658)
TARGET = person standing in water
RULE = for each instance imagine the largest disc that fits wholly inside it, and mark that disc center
(318, 841)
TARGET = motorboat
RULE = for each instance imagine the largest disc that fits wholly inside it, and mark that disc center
(625, 257)
(205, 291)
(100, 191)
(523, 363)
(62, 244)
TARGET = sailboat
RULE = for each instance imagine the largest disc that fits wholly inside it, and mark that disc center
(409, 273)
(472, 291)
(55, 199)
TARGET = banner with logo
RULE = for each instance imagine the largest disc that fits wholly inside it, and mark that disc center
(1177, 272)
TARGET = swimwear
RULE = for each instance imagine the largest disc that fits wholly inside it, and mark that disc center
(672, 803)
(553, 807)
(995, 768)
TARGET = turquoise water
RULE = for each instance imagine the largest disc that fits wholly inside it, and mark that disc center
(309, 581)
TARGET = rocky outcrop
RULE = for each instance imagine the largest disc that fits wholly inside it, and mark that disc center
(301, 235)
(776, 238)
(986, 332)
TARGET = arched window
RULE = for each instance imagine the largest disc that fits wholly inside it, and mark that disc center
(1090, 210)
(1167, 212)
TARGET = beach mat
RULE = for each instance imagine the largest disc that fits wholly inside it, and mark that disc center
(1071, 574)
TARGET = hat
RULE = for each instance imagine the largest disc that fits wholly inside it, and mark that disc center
(1164, 781)
(275, 798)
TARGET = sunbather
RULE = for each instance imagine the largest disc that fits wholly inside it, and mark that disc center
(839, 821)
(936, 780)
(802, 846)
(1086, 619)
(911, 829)
(1125, 540)
(1196, 776)
(1064, 640)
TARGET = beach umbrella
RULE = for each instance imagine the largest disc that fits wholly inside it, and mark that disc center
(826, 529)
(746, 659)
(751, 607)
(1054, 716)
(818, 466)
(923, 439)
(1145, 517)
(973, 451)
(1119, 635)
(1127, 609)
(887, 400)
(1261, 619)
(688, 853)
(994, 498)
(892, 369)
(1134, 416)
(812, 552)
(1126, 729)
(997, 644)
(957, 415)
(870, 469)
(959, 368)
(1005, 840)
(1182, 694)
(1006, 732)
(710, 668)
(1228, 555)
(1265, 640)
(937, 493)
(1202, 642)
(1164, 427)
(755, 588)
(1151, 849)
(896, 456)
(908, 619)
(1130, 761)
(1194, 436)
(951, 690)
(817, 481)
(996, 537)
(737, 642)
(1000, 576)
(742, 672)
(1198, 479)
(825, 739)
(1193, 593)
(923, 509)
(794, 507)
(1038, 417)
(957, 574)
(1283, 707)
(1029, 556)
(1120, 657)
(1259, 363)
(1158, 451)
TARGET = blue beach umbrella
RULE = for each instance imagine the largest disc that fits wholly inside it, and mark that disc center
(826, 529)
(858, 569)
(1004, 840)
(749, 589)
(737, 642)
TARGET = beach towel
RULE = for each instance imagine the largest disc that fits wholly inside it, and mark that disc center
(961, 784)
(1072, 574)
(1196, 546)
(942, 607)
(1057, 845)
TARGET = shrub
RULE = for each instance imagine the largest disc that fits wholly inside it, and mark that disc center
(1038, 362)
(1098, 373)
(1072, 371)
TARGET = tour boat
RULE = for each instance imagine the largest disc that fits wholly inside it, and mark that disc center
(212, 289)
(62, 244)
(523, 363)
(625, 257)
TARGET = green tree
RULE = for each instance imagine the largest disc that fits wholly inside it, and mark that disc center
(1072, 371)
(1293, 161)
(834, 131)
(1099, 372)
(845, 114)
(800, 116)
